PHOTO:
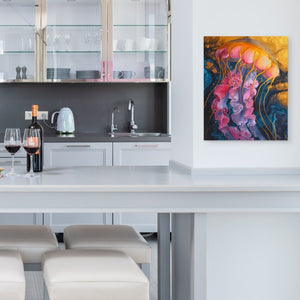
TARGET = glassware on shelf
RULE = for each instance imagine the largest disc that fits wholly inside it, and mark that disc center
(31, 144)
(140, 37)
(12, 143)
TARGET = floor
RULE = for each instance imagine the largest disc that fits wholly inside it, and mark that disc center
(34, 290)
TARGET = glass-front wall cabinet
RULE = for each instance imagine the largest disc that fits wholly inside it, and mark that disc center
(17, 40)
(84, 40)
(73, 40)
(140, 40)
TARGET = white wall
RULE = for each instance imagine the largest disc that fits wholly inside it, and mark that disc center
(250, 256)
(193, 19)
(253, 257)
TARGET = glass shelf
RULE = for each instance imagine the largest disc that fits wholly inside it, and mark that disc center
(141, 51)
(18, 52)
(74, 25)
(66, 52)
(17, 26)
(129, 25)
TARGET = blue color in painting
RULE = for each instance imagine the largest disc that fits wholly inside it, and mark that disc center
(245, 87)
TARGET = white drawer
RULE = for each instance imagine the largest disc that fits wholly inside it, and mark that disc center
(141, 154)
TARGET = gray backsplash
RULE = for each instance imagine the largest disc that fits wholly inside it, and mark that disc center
(91, 104)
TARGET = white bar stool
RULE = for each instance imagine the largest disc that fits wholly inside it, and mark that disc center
(12, 279)
(93, 275)
(110, 237)
(32, 241)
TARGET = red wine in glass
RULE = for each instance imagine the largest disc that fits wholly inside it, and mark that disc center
(31, 150)
(12, 149)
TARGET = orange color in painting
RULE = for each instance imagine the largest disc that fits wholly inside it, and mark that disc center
(246, 96)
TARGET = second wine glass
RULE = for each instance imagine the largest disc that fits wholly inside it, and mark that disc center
(31, 144)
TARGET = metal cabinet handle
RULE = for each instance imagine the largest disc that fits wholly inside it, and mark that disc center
(147, 146)
(78, 146)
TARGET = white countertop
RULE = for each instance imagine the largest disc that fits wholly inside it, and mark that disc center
(144, 179)
(147, 189)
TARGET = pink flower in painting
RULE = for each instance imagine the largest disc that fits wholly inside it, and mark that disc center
(247, 95)
(248, 112)
(221, 91)
(234, 132)
(223, 122)
(233, 94)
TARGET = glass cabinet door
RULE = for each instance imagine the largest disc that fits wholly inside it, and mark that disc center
(73, 39)
(17, 40)
(139, 45)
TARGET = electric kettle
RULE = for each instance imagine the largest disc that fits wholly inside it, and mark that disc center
(65, 121)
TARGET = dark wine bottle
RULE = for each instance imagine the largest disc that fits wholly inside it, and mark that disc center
(38, 158)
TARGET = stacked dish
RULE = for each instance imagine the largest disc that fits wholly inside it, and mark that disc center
(154, 72)
(87, 74)
(58, 73)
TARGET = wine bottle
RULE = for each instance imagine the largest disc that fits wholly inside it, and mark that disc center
(37, 160)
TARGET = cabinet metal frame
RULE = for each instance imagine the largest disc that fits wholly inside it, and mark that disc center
(106, 38)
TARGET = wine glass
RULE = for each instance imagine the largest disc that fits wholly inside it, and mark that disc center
(31, 144)
(12, 143)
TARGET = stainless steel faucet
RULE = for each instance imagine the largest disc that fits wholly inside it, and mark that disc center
(114, 127)
(132, 126)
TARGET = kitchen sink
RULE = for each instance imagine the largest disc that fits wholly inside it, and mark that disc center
(137, 134)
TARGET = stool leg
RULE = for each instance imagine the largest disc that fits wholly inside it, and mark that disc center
(146, 269)
(163, 256)
(46, 296)
(28, 267)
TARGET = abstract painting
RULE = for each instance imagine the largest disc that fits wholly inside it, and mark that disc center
(246, 88)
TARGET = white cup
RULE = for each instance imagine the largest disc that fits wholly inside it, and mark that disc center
(128, 45)
(153, 44)
(144, 44)
(115, 44)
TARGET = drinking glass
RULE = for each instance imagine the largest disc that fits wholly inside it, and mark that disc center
(31, 144)
(12, 143)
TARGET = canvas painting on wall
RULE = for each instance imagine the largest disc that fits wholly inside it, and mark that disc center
(246, 88)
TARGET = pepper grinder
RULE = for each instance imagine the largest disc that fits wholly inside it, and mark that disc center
(18, 70)
(24, 69)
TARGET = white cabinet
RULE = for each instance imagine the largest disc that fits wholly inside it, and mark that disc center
(140, 154)
(84, 40)
(17, 219)
(76, 154)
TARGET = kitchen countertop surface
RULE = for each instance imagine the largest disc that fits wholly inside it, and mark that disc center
(147, 189)
(152, 179)
(97, 137)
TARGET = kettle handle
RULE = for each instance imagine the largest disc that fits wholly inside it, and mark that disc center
(53, 115)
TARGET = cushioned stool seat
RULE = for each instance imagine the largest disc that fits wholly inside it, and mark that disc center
(12, 279)
(93, 275)
(110, 237)
(31, 241)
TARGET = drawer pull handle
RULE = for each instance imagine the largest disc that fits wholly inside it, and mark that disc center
(78, 146)
(146, 146)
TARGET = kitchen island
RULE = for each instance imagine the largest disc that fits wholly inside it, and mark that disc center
(164, 190)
